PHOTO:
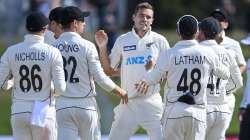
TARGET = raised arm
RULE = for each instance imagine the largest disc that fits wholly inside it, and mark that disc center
(101, 39)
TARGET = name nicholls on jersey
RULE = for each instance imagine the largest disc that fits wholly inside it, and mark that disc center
(30, 56)
(67, 47)
(182, 60)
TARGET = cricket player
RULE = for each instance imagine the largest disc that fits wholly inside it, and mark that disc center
(218, 111)
(234, 47)
(55, 18)
(33, 64)
(138, 51)
(55, 27)
(77, 109)
(188, 66)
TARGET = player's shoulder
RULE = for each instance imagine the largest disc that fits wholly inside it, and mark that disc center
(15, 46)
(156, 35)
(126, 36)
(49, 49)
(207, 50)
(86, 43)
(229, 40)
(219, 48)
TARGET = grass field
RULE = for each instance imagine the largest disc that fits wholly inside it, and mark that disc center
(5, 102)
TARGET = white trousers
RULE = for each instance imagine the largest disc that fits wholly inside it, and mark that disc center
(218, 117)
(184, 122)
(231, 105)
(142, 111)
(77, 118)
(23, 130)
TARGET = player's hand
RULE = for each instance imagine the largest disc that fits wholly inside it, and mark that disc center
(124, 96)
(101, 39)
(142, 87)
(150, 64)
(121, 93)
(241, 113)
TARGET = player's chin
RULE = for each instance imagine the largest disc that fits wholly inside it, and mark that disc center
(145, 28)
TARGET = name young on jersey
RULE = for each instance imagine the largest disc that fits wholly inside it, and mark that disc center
(30, 56)
(182, 60)
(67, 47)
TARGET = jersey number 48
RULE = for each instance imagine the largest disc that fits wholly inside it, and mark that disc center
(195, 76)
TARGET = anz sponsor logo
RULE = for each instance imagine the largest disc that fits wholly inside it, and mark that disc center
(135, 60)
(138, 60)
(129, 48)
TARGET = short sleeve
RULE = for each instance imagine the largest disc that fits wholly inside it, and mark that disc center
(115, 55)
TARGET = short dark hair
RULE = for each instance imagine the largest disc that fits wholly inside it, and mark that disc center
(71, 13)
(210, 27)
(220, 15)
(56, 14)
(36, 22)
(143, 5)
(187, 26)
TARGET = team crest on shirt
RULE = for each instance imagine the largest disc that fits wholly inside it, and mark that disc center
(148, 45)
(129, 48)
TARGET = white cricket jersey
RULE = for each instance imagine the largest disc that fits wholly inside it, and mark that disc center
(33, 64)
(234, 46)
(188, 66)
(81, 66)
(216, 88)
(134, 52)
(246, 98)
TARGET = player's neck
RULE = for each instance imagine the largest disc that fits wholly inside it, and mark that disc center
(140, 33)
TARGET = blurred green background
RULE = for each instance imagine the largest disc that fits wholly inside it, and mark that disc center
(107, 101)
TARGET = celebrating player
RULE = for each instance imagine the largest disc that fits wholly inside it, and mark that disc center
(33, 64)
(188, 66)
(77, 109)
(234, 47)
(218, 111)
(138, 50)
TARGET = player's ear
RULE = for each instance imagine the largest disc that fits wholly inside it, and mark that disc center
(133, 17)
(152, 21)
(60, 26)
(44, 30)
